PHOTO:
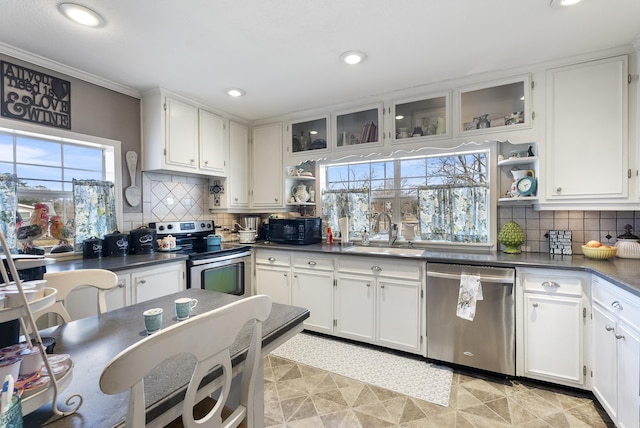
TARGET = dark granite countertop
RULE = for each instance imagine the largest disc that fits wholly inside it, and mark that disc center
(116, 264)
(625, 273)
(92, 342)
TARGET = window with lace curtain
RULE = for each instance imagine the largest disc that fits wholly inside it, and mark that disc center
(45, 168)
(442, 198)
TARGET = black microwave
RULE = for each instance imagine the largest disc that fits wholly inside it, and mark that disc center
(297, 231)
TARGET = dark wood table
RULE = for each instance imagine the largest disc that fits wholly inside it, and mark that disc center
(92, 342)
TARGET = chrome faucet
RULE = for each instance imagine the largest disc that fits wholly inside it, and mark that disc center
(393, 228)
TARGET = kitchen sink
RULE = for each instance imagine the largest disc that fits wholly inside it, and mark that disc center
(386, 250)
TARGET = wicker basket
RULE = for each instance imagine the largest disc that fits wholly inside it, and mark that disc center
(599, 253)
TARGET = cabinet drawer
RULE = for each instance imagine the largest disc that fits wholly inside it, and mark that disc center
(273, 258)
(312, 261)
(380, 266)
(619, 302)
(551, 282)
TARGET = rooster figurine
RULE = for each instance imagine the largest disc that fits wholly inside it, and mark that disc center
(62, 232)
(37, 227)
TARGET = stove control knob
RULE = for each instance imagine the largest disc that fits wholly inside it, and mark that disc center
(169, 226)
(160, 227)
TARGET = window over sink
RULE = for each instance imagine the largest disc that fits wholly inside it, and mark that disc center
(438, 198)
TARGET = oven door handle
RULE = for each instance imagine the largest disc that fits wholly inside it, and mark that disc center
(220, 258)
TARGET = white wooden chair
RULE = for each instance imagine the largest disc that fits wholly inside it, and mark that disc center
(221, 326)
(67, 281)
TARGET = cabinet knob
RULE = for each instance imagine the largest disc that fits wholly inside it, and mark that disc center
(608, 328)
(295, 276)
(311, 263)
(192, 161)
(368, 285)
(619, 336)
(558, 190)
(551, 284)
(275, 199)
(376, 268)
(535, 305)
(285, 275)
(206, 163)
(121, 284)
(617, 305)
(143, 281)
(272, 259)
(382, 286)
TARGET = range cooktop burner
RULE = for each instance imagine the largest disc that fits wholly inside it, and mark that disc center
(191, 237)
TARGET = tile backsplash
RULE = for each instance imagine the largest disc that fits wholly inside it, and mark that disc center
(584, 225)
(170, 197)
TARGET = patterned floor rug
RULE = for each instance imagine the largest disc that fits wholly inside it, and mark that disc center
(409, 376)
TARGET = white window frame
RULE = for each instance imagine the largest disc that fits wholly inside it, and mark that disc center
(113, 157)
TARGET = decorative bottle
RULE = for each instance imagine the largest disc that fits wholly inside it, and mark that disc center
(365, 238)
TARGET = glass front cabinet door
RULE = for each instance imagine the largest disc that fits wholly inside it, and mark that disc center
(421, 118)
(357, 127)
(308, 137)
(504, 106)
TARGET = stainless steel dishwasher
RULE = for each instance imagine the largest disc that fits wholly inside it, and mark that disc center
(487, 342)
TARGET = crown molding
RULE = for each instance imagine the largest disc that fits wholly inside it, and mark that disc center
(41, 61)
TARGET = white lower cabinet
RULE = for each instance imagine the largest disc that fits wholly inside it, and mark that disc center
(398, 317)
(552, 334)
(307, 281)
(369, 299)
(274, 282)
(616, 356)
(312, 288)
(380, 301)
(158, 281)
(134, 286)
(355, 307)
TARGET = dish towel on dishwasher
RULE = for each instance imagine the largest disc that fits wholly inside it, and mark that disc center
(470, 293)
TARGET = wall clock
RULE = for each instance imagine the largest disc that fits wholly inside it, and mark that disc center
(526, 186)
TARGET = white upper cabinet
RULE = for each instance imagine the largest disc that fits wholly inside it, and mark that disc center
(587, 153)
(267, 179)
(307, 138)
(213, 147)
(358, 128)
(238, 181)
(180, 136)
(494, 107)
(421, 119)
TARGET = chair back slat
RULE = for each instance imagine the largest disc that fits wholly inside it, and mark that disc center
(207, 337)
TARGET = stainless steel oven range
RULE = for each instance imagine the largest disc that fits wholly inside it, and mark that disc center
(225, 268)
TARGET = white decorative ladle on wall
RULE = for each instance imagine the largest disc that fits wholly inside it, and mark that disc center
(132, 193)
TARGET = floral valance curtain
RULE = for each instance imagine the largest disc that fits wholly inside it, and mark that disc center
(8, 208)
(346, 203)
(454, 214)
(95, 209)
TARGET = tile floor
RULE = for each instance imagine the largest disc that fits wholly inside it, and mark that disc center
(300, 396)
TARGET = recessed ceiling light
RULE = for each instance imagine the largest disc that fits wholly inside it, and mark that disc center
(353, 57)
(81, 14)
(235, 92)
(563, 3)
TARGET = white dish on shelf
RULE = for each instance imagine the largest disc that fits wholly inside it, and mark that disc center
(9, 314)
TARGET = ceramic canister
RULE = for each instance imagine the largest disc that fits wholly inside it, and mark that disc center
(92, 248)
(142, 241)
(116, 244)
